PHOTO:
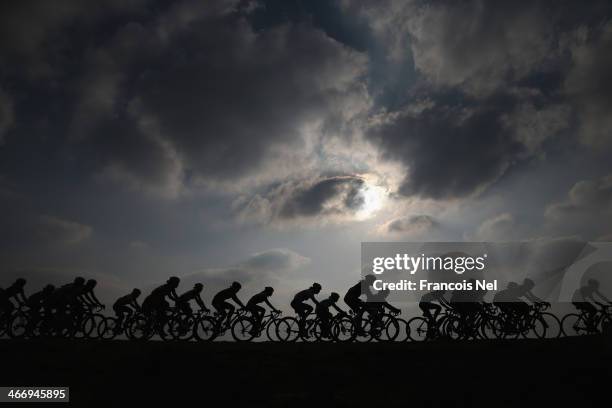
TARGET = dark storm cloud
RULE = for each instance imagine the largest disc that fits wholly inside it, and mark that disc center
(448, 151)
(32, 31)
(328, 198)
(589, 82)
(211, 110)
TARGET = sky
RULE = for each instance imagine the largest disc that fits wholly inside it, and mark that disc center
(263, 141)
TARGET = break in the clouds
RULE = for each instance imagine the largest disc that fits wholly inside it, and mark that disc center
(328, 198)
(189, 131)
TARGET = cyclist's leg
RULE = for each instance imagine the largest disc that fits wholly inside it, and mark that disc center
(302, 310)
(356, 306)
(229, 309)
(325, 318)
(259, 313)
(120, 314)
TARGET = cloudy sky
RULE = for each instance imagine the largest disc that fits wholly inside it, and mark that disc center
(264, 140)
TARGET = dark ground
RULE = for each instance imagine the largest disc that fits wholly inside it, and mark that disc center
(564, 372)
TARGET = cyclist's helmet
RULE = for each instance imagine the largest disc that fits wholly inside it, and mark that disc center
(593, 283)
(173, 281)
(316, 287)
(79, 281)
(528, 283)
(136, 292)
(91, 283)
(236, 285)
(20, 282)
(198, 287)
(269, 290)
(334, 296)
(49, 288)
(369, 279)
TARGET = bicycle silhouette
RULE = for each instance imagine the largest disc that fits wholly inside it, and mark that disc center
(574, 324)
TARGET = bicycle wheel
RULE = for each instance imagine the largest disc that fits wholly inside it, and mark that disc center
(89, 325)
(403, 330)
(242, 329)
(287, 329)
(574, 325)
(309, 334)
(205, 329)
(17, 326)
(320, 334)
(389, 329)
(503, 329)
(343, 329)
(418, 328)
(453, 328)
(181, 327)
(537, 329)
(140, 328)
(107, 328)
(271, 330)
(364, 334)
(486, 329)
(553, 325)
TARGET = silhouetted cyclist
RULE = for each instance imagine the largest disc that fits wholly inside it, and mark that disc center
(38, 301)
(303, 309)
(258, 311)
(505, 297)
(67, 296)
(377, 304)
(323, 313)
(125, 306)
(433, 301)
(193, 294)
(583, 297)
(352, 299)
(156, 302)
(221, 304)
(88, 296)
(14, 292)
(525, 291)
